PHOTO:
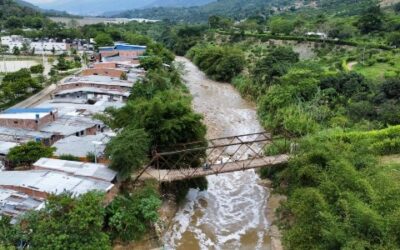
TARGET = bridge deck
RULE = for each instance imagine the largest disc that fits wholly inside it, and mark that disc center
(189, 173)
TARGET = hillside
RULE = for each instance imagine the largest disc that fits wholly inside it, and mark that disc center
(97, 7)
(237, 9)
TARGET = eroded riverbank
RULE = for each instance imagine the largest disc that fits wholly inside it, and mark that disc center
(234, 212)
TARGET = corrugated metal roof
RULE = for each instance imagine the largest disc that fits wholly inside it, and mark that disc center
(92, 170)
(52, 182)
(27, 110)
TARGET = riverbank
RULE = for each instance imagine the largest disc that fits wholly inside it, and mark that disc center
(229, 213)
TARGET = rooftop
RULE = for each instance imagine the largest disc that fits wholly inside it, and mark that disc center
(51, 182)
(93, 90)
(26, 113)
(6, 146)
(27, 110)
(21, 135)
(91, 170)
(96, 79)
(69, 125)
(122, 47)
(81, 146)
(80, 107)
(14, 204)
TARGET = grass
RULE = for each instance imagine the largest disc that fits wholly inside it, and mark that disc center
(380, 70)
(391, 165)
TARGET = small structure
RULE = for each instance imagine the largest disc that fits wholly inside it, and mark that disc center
(15, 204)
(320, 35)
(113, 72)
(104, 82)
(41, 183)
(5, 147)
(70, 125)
(75, 168)
(121, 52)
(81, 146)
(95, 94)
(26, 118)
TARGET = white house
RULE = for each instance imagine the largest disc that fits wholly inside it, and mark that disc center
(14, 41)
(49, 46)
(321, 35)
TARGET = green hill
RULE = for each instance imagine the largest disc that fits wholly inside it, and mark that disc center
(237, 9)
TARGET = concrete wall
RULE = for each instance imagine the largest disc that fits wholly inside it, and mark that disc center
(105, 65)
(31, 124)
(103, 72)
(28, 191)
(102, 86)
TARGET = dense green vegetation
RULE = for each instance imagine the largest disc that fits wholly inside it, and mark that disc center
(220, 63)
(336, 104)
(26, 154)
(19, 85)
(336, 97)
(159, 115)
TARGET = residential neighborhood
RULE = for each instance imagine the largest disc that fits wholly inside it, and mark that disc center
(65, 120)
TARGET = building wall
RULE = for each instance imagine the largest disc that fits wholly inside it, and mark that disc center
(28, 191)
(48, 46)
(105, 65)
(103, 72)
(102, 86)
(31, 124)
(108, 53)
(131, 53)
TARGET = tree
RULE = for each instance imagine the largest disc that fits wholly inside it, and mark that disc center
(138, 39)
(68, 157)
(123, 76)
(394, 39)
(128, 151)
(13, 23)
(37, 69)
(26, 154)
(103, 39)
(68, 222)
(275, 64)
(9, 233)
(281, 26)
(151, 62)
(132, 215)
(371, 20)
(396, 7)
(16, 51)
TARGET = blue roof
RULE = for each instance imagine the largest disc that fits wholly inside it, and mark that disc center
(106, 48)
(129, 47)
(27, 110)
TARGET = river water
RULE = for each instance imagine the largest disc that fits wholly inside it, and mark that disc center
(232, 213)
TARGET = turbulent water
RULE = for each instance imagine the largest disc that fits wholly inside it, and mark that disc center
(231, 214)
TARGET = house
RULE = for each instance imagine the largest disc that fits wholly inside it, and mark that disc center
(96, 81)
(41, 183)
(76, 168)
(81, 146)
(27, 118)
(124, 52)
(15, 204)
(14, 41)
(320, 35)
(50, 46)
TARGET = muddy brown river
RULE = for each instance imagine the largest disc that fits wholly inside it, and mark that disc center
(232, 213)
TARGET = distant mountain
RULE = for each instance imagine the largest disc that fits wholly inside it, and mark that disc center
(97, 7)
(237, 9)
(26, 4)
(47, 12)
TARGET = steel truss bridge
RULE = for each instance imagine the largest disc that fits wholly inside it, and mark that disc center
(212, 157)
